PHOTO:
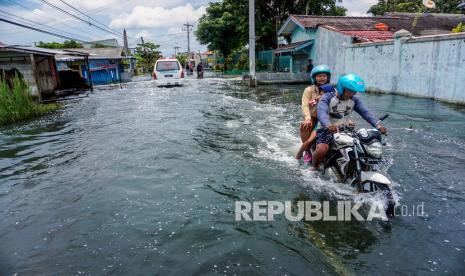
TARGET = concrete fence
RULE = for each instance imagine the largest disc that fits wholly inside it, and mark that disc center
(428, 66)
(282, 77)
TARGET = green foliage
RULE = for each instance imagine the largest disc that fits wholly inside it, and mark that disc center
(56, 45)
(413, 6)
(325, 7)
(459, 29)
(243, 62)
(224, 27)
(182, 59)
(146, 55)
(17, 104)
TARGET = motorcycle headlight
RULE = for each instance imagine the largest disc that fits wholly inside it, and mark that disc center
(375, 149)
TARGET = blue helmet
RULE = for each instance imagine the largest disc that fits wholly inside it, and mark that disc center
(318, 70)
(327, 88)
(351, 82)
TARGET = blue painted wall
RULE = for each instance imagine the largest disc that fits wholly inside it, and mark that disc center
(299, 35)
(104, 71)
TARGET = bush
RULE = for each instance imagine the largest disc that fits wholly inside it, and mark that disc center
(459, 29)
(17, 104)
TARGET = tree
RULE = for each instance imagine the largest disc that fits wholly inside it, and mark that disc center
(182, 59)
(56, 45)
(413, 6)
(222, 27)
(146, 54)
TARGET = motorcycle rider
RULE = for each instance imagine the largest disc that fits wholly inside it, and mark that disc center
(200, 71)
(342, 102)
(320, 75)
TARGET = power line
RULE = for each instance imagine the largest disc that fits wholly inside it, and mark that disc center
(37, 24)
(89, 16)
(77, 17)
(40, 30)
(188, 29)
(91, 11)
(50, 25)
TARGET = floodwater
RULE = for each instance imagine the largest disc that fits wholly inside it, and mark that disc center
(143, 181)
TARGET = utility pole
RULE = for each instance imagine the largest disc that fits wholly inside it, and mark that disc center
(188, 29)
(125, 43)
(176, 49)
(143, 45)
(253, 81)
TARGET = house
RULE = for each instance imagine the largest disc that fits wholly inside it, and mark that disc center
(36, 66)
(106, 64)
(208, 59)
(304, 33)
(112, 42)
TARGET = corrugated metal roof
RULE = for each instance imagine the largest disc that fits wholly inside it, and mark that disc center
(37, 50)
(294, 46)
(97, 53)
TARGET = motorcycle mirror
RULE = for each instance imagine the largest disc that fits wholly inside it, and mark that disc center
(384, 117)
(335, 115)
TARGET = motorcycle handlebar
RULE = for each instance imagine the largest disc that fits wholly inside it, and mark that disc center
(384, 117)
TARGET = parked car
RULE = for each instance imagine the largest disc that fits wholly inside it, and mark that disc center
(168, 72)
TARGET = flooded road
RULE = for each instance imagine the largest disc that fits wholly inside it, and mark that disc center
(143, 180)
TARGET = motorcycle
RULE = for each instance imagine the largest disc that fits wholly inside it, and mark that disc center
(356, 158)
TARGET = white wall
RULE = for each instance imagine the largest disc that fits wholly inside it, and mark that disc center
(23, 64)
(429, 66)
(329, 49)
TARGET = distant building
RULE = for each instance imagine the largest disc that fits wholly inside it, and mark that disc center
(107, 65)
(113, 43)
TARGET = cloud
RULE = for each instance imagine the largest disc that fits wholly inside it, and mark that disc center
(153, 17)
(358, 7)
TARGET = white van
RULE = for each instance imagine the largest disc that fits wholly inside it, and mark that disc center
(168, 72)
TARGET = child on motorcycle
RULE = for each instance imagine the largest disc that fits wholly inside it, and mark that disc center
(325, 88)
(320, 75)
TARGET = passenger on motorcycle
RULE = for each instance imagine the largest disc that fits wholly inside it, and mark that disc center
(342, 102)
(305, 147)
(320, 75)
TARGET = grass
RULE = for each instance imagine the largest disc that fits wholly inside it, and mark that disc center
(17, 103)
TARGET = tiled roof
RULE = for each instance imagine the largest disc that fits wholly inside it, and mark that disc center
(426, 23)
(342, 23)
(417, 24)
(364, 36)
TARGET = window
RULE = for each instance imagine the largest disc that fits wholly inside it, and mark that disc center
(167, 66)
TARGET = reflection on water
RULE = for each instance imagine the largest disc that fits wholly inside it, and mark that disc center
(144, 179)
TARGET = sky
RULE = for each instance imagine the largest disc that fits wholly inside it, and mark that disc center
(159, 21)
